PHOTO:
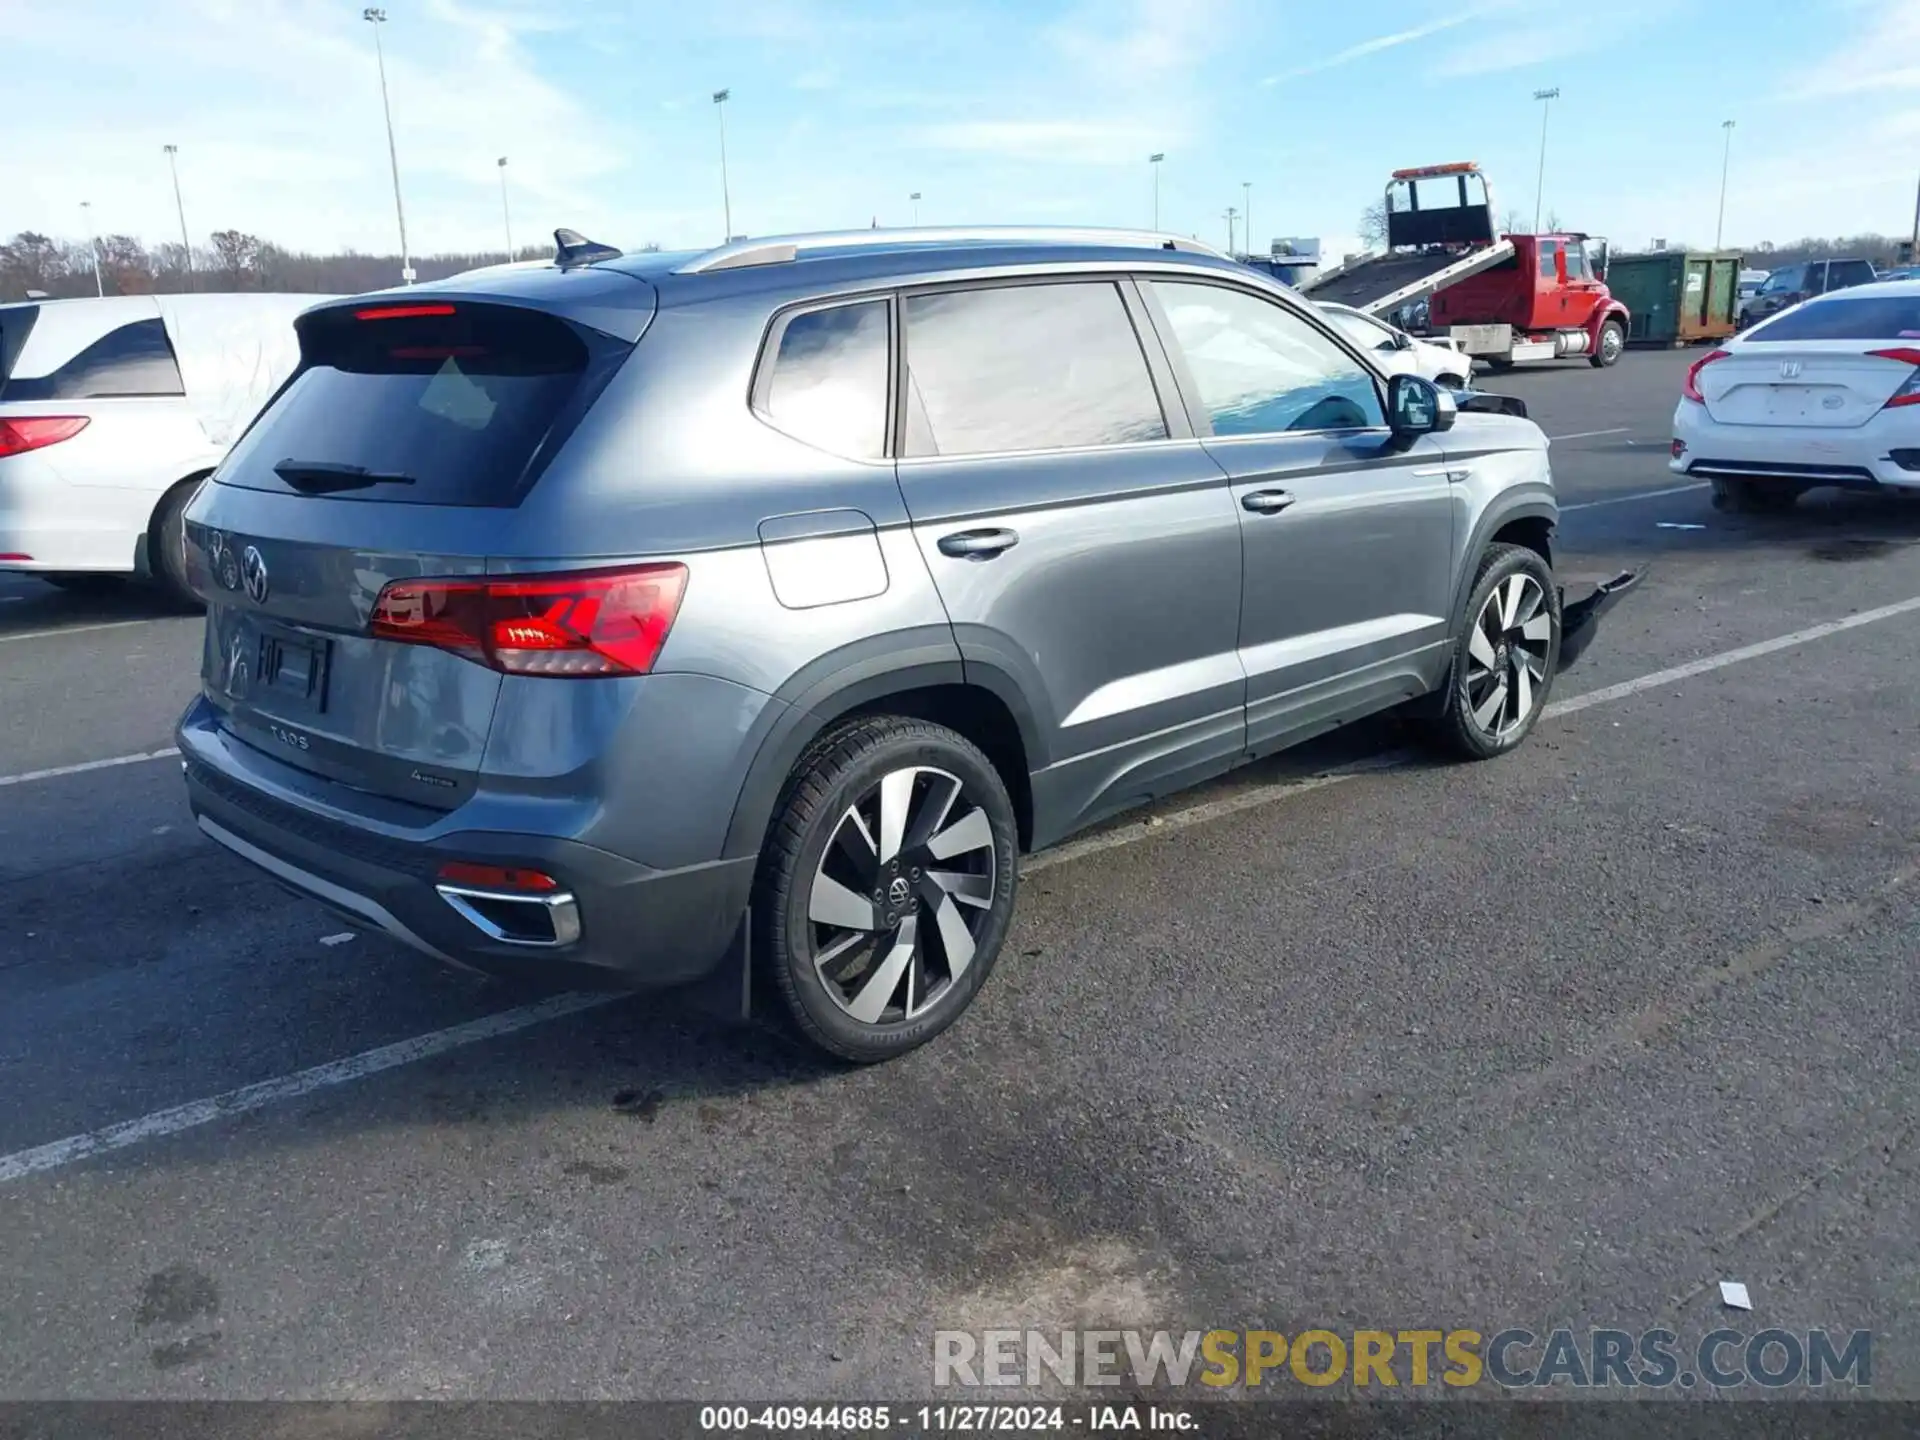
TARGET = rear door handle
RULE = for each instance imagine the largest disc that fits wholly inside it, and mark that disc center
(977, 544)
(1266, 502)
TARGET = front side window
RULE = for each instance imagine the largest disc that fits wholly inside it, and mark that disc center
(1025, 367)
(1261, 369)
(134, 360)
(827, 385)
(1576, 262)
(1548, 249)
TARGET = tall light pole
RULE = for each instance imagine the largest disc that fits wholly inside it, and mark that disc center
(1154, 160)
(915, 198)
(506, 215)
(1246, 228)
(1231, 213)
(1726, 158)
(1546, 97)
(377, 18)
(720, 98)
(93, 247)
(186, 245)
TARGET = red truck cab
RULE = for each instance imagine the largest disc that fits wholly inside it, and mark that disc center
(1551, 295)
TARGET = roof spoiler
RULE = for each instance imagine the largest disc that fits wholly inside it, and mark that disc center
(571, 248)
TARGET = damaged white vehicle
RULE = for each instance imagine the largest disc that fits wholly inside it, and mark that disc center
(113, 410)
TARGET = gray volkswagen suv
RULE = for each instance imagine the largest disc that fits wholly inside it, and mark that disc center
(600, 620)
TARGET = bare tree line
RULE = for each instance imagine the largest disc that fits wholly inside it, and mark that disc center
(32, 264)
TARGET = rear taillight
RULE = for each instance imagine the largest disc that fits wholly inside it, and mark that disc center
(1691, 389)
(36, 432)
(594, 622)
(1909, 393)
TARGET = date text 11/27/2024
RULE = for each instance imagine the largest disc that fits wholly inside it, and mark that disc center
(941, 1419)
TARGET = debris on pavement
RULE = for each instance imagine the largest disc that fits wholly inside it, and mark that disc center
(340, 939)
(1733, 1294)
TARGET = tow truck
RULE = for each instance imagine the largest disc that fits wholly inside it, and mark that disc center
(1501, 298)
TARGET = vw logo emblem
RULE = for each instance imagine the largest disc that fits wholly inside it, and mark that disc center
(899, 892)
(253, 574)
(1789, 369)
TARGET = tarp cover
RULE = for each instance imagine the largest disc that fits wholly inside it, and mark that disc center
(234, 352)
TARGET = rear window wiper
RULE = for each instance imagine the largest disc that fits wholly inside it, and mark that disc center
(323, 477)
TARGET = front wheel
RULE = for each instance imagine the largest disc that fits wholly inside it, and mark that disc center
(1505, 659)
(887, 885)
(1613, 343)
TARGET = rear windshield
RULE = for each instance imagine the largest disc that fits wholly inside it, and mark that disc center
(1863, 317)
(132, 361)
(424, 403)
(15, 322)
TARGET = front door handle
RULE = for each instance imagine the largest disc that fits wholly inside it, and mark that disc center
(1266, 502)
(977, 544)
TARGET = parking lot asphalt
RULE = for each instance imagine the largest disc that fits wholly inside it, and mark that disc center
(1351, 1038)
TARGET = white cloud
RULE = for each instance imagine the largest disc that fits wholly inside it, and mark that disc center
(1378, 43)
(1881, 57)
(1068, 142)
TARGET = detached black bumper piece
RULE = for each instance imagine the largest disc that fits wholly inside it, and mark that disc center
(1580, 620)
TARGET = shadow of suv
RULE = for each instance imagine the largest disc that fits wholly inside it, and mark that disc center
(562, 617)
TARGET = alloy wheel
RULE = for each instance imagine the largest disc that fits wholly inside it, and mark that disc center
(1507, 654)
(901, 895)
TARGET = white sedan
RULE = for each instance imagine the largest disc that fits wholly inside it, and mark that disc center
(1399, 353)
(1827, 393)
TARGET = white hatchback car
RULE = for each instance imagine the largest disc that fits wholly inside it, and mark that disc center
(1399, 353)
(111, 413)
(1827, 393)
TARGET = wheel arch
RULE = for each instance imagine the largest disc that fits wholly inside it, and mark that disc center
(916, 673)
(1523, 519)
(146, 561)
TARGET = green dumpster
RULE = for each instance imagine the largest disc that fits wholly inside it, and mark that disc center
(1675, 297)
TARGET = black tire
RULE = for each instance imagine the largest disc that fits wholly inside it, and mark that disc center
(1499, 364)
(1755, 497)
(166, 547)
(1451, 382)
(1459, 729)
(84, 582)
(841, 773)
(1613, 344)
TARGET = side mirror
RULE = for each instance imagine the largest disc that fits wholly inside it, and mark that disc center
(1416, 406)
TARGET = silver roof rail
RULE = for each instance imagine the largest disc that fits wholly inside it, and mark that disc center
(779, 249)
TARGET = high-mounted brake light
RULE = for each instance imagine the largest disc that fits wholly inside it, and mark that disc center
(1691, 389)
(577, 626)
(401, 312)
(36, 432)
(1909, 393)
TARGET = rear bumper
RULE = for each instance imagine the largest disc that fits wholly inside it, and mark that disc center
(617, 924)
(1860, 458)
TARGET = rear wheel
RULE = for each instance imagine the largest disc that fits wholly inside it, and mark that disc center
(1613, 343)
(1451, 382)
(887, 885)
(1508, 651)
(167, 549)
(1755, 497)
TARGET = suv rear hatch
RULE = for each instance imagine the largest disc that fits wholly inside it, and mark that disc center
(399, 449)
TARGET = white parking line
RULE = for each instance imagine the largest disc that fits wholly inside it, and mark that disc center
(84, 766)
(1589, 434)
(71, 630)
(1637, 495)
(288, 1087)
(438, 1042)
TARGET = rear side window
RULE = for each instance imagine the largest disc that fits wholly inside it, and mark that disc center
(134, 360)
(1863, 317)
(424, 403)
(1842, 273)
(1026, 367)
(825, 380)
(1548, 249)
(15, 322)
(1262, 369)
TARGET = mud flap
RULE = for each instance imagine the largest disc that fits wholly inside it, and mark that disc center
(1580, 620)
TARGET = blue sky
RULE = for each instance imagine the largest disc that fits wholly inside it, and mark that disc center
(995, 110)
